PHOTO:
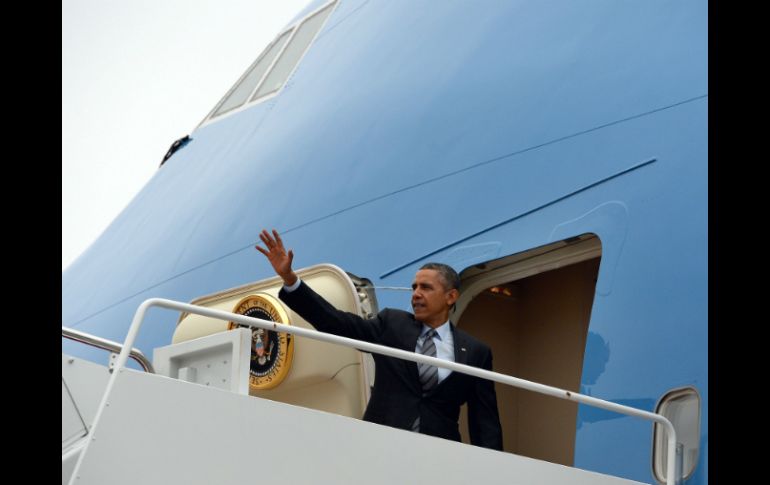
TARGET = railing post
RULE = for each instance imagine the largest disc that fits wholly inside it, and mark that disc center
(679, 470)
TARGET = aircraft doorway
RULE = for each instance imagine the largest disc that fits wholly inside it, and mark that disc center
(533, 309)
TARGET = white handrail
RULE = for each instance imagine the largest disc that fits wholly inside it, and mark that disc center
(104, 344)
(374, 348)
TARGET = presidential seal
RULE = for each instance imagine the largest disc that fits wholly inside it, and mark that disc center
(271, 352)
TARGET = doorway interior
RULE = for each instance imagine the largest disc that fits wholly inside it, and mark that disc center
(533, 309)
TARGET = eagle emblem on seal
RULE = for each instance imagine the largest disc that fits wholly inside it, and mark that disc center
(271, 351)
(258, 338)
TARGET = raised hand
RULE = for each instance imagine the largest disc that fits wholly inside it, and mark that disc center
(279, 258)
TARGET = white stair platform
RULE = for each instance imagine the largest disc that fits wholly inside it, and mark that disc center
(158, 430)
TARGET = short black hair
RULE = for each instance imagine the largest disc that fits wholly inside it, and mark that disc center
(448, 275)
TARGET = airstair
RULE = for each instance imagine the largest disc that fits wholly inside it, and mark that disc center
(154, 429)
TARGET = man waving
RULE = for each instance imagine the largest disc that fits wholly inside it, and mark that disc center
(421, 398)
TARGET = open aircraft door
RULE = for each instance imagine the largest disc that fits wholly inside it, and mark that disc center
(291, 369)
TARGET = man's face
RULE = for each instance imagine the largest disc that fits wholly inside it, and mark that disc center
(430, 300)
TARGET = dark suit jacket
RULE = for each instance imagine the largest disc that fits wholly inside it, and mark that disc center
(397, 397)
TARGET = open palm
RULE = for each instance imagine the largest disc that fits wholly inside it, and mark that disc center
(279, 258)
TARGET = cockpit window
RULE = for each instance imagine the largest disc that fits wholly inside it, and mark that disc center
(268, 74)
(246, 85)
(291, 56)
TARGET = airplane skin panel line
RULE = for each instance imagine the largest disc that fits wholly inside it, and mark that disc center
(374, 199)
(486, 162)
(398, 268)
(519, 216)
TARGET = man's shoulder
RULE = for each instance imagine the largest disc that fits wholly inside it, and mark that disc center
(470, 340)
(394, 313)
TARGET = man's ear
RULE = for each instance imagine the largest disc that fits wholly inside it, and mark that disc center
(452, 296)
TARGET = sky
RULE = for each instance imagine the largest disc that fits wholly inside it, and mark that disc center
(136, 76)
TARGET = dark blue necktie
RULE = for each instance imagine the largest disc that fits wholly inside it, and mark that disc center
(428, 373)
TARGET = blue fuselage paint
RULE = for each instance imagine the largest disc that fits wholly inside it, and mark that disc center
(412, 128)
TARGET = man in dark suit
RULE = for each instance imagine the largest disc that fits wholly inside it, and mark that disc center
(406, 395)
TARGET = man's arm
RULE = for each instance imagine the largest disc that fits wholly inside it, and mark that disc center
(310, 305)
(483, 418)
(322, 315)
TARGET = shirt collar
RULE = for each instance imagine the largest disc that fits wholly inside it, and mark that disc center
(443, 331)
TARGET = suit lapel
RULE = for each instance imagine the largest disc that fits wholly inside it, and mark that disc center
(410, 343)
(461, 346)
